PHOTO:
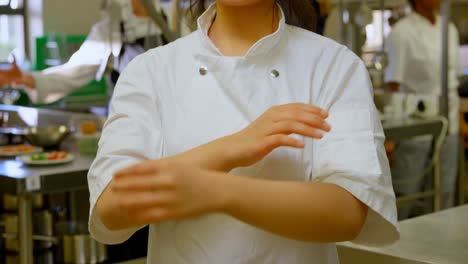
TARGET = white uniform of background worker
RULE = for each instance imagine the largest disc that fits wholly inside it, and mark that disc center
(123, 23)
(414, 50)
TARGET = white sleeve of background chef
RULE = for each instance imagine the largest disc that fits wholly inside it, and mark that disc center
(131, 134)
(56, 82)
(396, 49)
(352, 155)
(455, 49)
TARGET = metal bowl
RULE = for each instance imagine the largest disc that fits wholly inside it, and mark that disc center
(47, 137)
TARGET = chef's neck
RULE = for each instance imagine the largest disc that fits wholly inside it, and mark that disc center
(427, 13)
(236, 28)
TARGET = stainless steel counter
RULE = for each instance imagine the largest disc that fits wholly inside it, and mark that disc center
(17, 178)
(399, 129)
(440, 237)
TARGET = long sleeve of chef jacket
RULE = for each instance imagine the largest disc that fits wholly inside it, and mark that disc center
(56, 82)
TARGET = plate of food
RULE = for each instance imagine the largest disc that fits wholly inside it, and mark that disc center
(17, 150)
(47, 158)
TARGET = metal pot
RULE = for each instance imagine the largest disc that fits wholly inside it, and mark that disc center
(42, 227)
(77, 246)
(46, 257)
(10, 202)
(2, 230)
(82, 249)
(11, 231)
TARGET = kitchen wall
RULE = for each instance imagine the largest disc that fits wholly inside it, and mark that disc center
(60, 17)
(69, 16)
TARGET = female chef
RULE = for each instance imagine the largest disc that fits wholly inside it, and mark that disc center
(248, 141)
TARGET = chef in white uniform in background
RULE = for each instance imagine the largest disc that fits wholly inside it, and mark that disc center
(414, 50)
(123, 32)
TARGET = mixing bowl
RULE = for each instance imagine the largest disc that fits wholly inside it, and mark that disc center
(46, 137)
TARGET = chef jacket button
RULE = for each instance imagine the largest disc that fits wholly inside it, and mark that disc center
(203, 70)
(274, 73)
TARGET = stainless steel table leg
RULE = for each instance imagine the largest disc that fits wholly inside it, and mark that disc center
(25, 239)
(461, 171)
(72, 205)
(437, 185)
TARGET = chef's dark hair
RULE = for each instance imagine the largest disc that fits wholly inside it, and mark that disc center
(412, 3)
(299, 13)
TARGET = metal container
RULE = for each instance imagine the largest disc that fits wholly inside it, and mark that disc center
(11, 231)
(77, 246)
(42, 226)
(47, 137)
(82, 249)
(10, 202)
(9, 95)
(46, 257)
(2, 230)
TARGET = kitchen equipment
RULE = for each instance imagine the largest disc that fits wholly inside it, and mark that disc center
(10, 202)
(376, 63)
(363, 16)
(87, 144)
(82, 249)
(45, 257)
(42, 227)
(381, 99)
(9, 95)
(77, 246)
(2, 230)
(422, 105)
(47, 137)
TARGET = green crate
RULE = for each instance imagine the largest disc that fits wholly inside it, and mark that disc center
(71, 43)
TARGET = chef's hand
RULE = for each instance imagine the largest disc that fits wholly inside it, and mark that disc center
(156, 191)
(271, 130)
(14, 76)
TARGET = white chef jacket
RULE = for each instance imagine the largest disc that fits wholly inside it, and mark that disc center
(414, 50)
(185, 94)
(88, 62)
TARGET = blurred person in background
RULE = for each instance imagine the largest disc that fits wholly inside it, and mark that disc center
(124, 31)
(414, 50)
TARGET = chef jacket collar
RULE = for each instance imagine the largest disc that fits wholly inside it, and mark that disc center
(425, 20)
(264, 45)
